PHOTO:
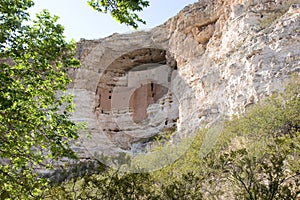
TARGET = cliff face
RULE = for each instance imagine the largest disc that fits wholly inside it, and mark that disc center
(212, 60)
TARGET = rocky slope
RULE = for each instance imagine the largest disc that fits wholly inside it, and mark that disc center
(212, 60)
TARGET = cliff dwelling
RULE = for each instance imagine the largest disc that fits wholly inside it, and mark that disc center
(135, 89)
(188, 73)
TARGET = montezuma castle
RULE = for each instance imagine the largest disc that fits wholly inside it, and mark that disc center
(212, 60)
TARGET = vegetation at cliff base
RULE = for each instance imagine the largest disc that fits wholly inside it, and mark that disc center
(255, 157)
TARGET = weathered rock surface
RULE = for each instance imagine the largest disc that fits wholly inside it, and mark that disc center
(214, 59)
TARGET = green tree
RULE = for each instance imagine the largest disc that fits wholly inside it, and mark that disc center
(124, 11)
(187, 186)
(268, 165)
(34, 109)
(110, 185)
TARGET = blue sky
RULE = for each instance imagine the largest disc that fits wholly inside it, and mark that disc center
(80, 21)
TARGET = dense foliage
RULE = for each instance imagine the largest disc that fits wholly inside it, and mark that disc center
(34, 111)
(124, 11)
(255, 158)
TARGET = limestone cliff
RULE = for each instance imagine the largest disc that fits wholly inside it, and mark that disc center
(212, 60)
